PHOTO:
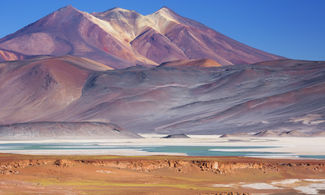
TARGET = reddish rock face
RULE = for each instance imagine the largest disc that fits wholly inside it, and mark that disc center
(192, 63)
(157, 47)
(10, 56)
(121, 38)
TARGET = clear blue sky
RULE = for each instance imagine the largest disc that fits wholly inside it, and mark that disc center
(290, 28)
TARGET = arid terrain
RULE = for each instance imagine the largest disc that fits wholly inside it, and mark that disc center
(117, 102)
(157, 73)
(23, 174)
(172, 98)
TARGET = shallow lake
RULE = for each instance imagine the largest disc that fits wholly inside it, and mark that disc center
(95, 148)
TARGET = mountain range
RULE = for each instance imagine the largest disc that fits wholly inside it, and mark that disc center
(159, 73)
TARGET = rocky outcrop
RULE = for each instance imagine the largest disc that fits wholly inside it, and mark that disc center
(64, 163)
(13, 166)
(191, 63)
(10, 56)
(277, 133)
(186, 166)
(228, 193)
(176, 136)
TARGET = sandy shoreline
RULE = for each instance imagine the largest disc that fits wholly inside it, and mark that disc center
(119, 152)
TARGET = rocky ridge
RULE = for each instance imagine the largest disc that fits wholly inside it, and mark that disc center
(147, 165)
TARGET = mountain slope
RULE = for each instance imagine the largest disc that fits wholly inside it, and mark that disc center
(63, 130)
(281, 95)
(121, 38)
(32, 88)
(157, 47)
(193, 39)
(70, 31)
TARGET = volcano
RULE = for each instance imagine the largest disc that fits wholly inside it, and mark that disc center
(122, 38)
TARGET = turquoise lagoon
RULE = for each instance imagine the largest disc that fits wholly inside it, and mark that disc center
(188, 150)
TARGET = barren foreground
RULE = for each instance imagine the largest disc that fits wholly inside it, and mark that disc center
(28, 174)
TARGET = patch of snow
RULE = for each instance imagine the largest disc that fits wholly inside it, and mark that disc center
(315, 180)
(261, 186)
(309, 119)
(103, 171)
(285, 182)
(306, 190)
(106, 26)
(222, 185)
(311, 189)
(162, 18)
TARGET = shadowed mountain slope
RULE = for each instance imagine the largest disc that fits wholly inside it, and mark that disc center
(33, 88)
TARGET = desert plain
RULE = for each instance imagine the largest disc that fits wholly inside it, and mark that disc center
(136, 171)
